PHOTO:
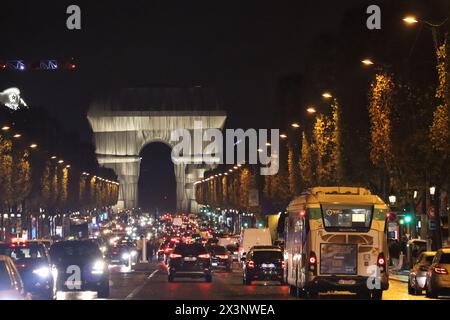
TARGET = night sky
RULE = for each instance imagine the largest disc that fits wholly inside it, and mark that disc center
(241, 48)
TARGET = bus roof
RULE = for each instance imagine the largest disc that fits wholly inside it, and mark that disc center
(318, 195)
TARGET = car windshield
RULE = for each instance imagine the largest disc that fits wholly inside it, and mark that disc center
(445, 258)
(31, 251)
(5, 281)
(428, 259)
(266, 256)
(189, 249)
(71, 249)
(218, 250)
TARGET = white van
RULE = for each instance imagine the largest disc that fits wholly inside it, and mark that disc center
(253, 237)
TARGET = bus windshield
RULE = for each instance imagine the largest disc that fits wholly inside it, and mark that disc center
(346, 218)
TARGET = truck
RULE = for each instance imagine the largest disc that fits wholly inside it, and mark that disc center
(251, 237)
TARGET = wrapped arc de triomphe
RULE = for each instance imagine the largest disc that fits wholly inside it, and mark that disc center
(123, 125)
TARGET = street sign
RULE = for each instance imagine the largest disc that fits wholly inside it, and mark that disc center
(432, 224)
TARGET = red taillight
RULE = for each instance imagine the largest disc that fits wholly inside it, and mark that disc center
(204, 256)
(381, 262)
(167, 250)
(302, 213)
(440, 270)
(174, 255)
(283, 264)
(312, 262)
(251, 264)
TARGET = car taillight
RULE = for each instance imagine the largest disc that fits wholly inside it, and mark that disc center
(204, 256)
(174, 255)
(222, 256)
(168, 250)
(381, 262)
(312, 262)
(283, 264)
(114, 252)
(251, 264)
(440, 270)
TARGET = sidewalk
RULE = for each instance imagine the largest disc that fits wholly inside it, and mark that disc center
(401, 275)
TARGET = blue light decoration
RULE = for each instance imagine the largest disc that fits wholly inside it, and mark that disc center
(48, 64)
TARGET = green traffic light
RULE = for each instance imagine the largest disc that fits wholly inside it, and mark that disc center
(401, 221)
(408, 219)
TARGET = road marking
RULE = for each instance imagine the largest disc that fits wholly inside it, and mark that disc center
(138, 289)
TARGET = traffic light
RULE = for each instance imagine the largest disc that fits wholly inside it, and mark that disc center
(391, 216)
(408, 218)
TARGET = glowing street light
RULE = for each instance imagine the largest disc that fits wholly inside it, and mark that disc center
(33, 145)
(311, 110)
(260, 150)
(239, 165)
(17, 135)
(295, 125)
(432, 190)
(327, 95)
(283, 136)
(392, 199)
(367, 62)
(6, 128)
(410, 20)
(268, 144)
(60, 161)
(235, 167)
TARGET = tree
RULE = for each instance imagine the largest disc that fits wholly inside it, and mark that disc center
(322, 140)
(306, 162)
(336, 152)
(293, 174)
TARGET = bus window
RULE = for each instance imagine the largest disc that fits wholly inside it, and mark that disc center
(347, 218)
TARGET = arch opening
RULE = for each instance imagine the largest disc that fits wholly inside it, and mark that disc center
(157, 182)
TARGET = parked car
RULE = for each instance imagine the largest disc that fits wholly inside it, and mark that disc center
(220, 258)
(418, 274)
(80, 267)
(438, 277)
(32, 261)
(189, 260)
(11, 284)
(263, 263)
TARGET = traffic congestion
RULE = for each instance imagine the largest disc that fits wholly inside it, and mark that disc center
(190, 249)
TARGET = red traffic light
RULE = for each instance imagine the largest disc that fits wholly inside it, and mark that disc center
(391, 216)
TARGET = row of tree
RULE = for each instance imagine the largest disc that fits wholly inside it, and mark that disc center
(32, 178)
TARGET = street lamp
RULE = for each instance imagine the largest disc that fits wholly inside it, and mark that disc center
(283, 136)
(367, 62)
(311, 110)
(295, 125)
(432, 190)
(392, 199)
(17, 135)
(33, 145)
(6, 128)
(327, 95)
(410, 20)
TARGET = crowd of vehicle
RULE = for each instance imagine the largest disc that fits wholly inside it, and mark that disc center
(334, 240)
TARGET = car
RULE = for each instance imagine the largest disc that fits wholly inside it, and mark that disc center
(80, 266)
(263, 263)
(120, 254)
(221, 257)
(32, 260)
(253, 237)
(438, 277)
(11, 284)
(418, 274)
(189, 260)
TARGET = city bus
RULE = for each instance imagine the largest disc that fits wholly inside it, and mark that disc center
(335, 240)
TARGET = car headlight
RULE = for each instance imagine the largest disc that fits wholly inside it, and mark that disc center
(125, 256)
(133, 253)
(98, 267)
(42, 272)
